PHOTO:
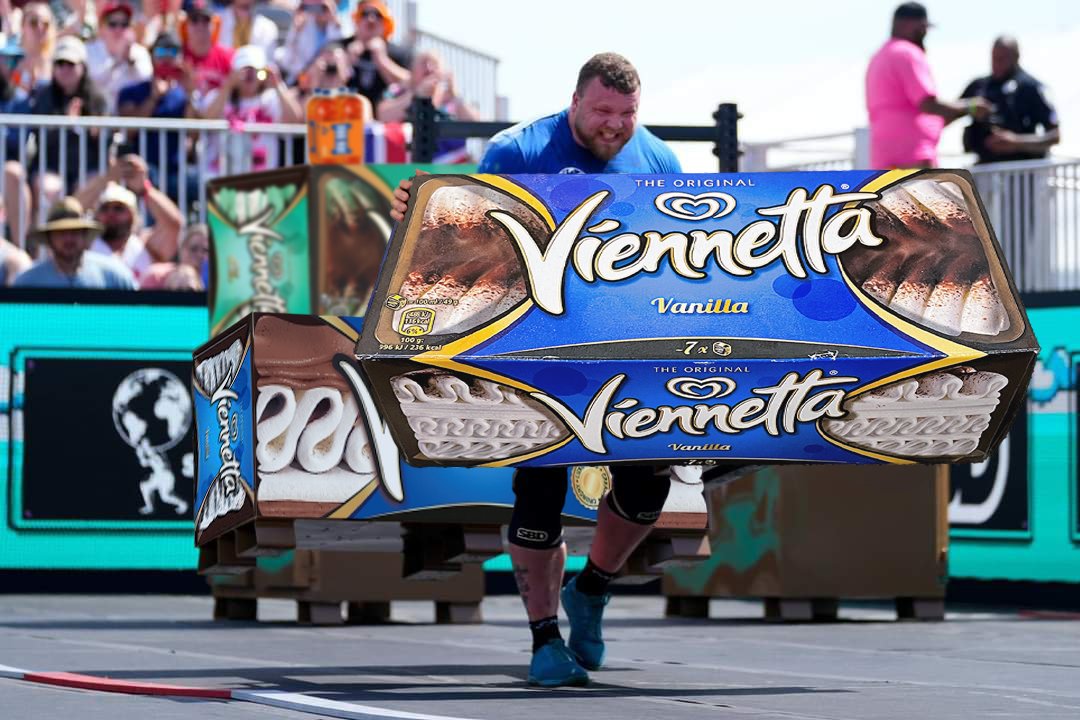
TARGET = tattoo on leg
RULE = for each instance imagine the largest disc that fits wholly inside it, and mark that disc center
(521, 576)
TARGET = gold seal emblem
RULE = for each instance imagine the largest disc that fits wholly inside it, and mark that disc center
(395, 302)
(416, 321)
(590, 483)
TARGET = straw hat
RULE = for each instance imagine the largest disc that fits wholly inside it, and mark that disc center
(66, 214)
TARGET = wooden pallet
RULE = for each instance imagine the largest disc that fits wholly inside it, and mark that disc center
(777, 609)
(362, 566)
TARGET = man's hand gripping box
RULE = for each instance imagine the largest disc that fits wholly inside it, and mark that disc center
(853, 317)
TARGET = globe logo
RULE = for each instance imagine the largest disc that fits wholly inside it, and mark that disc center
(151, 410)
(152, 404)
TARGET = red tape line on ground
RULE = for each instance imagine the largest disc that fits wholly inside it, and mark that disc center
(90, 682)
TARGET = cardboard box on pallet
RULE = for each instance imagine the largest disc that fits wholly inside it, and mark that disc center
(852, 317)
(286, 428)
(302, 239)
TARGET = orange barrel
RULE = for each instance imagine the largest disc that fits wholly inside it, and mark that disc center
(322, 114)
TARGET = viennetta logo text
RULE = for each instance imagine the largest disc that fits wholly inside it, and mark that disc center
(226, 493)
(259, 235)
(778, 409)
(800, 232)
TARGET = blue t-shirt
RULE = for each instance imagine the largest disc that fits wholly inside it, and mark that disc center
(170, 105)
(97, 271)
(547, 146)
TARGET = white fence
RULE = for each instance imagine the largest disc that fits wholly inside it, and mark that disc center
(1034, 206)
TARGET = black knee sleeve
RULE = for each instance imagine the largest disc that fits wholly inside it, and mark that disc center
(539, 496)
(637, 494)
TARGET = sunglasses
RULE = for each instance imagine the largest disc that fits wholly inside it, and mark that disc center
(113, 209)
(199, 19)
(118, 24)
(371, 15)
(63, 64)
(166, 52)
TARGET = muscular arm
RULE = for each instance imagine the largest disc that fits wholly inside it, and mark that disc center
(164, 238)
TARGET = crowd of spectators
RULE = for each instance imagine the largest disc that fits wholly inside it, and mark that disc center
(242, 61)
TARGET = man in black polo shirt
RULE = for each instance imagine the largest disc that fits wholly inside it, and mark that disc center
(1024, 125)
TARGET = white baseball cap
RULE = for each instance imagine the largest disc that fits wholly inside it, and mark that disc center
(249, 56)
(116, 193)
(71, 49)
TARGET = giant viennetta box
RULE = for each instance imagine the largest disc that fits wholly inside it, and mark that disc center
(825, 317)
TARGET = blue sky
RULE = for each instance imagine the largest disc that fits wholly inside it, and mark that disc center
(794, 68)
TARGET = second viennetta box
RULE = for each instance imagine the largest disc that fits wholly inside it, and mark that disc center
(851, 317)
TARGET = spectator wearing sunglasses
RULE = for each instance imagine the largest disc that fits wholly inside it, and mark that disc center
(315, 25)
(72, 92)
(209, 60)
(116, 195)
(166, 95)
(115, 60)
(38, 41)
(377, 62)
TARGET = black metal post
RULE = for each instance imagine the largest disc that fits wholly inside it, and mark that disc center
(425, 132)
(726, 143)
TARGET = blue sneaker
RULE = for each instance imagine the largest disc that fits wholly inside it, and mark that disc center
(554, 666)
(586, 613)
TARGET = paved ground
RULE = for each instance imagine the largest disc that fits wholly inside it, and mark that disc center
(974, 665)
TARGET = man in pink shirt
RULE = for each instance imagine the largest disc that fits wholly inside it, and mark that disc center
(906, 117)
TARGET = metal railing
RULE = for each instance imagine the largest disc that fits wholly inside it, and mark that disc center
(1034, 207)
(74, 150)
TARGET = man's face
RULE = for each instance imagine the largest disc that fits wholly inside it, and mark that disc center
(199, 32)
(68, 246)
(603, 119)
(914, 29)
(1003, 60)
(116, 30)
(371, 23)
(116, 220)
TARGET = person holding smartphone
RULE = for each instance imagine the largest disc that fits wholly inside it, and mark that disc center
(166, 95)
(253, 93)
(315, 25)
(115, 196)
